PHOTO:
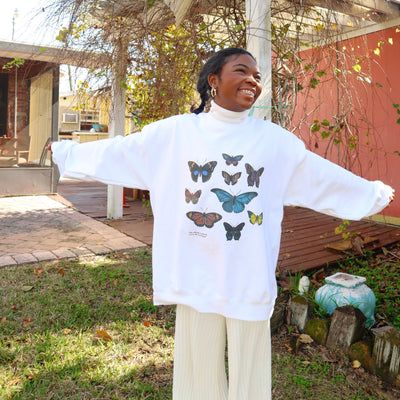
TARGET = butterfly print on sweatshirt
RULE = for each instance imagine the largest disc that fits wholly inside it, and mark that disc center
(192, 197)
(255, 219)
(204, 171)
(231, 179)
(231, 203)
(233, 232)
(204, 219)
(232, 160)
(254, 176)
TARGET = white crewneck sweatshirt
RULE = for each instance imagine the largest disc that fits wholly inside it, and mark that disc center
(218, 182)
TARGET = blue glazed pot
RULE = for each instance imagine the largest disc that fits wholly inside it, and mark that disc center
(344, 289)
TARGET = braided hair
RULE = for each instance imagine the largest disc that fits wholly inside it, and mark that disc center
(214, 66)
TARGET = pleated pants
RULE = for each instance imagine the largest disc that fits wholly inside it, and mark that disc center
(199, 357)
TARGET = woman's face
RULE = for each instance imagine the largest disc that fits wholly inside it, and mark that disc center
(238, 85)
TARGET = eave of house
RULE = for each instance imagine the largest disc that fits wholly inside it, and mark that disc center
(55, 55)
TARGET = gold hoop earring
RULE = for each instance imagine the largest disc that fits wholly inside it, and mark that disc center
(213, 92)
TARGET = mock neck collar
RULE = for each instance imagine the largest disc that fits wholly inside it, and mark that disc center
(224, 115)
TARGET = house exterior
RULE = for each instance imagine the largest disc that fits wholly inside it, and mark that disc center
(29, 115)
(355, 121)
(86, 118)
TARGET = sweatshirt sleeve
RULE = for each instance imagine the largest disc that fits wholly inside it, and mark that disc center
(323, 186)
(120, 161)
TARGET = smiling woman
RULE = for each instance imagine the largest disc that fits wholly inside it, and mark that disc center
(238, 85)
(218, 182)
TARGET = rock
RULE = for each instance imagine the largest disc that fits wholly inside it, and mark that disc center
(386, 355)
(318, 329)
(300, 312)
(347, 327)
(362, 352)
(279, 314)
(304, 284)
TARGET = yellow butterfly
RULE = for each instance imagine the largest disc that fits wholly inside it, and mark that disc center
(255, 219)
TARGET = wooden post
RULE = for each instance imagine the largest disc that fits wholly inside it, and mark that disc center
(258, 13)
(117, 120)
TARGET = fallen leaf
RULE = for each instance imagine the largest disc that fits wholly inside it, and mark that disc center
(4, 320)
(61, 271)
(66, 331)
(288, 346)
(356, 364)
(306, 362)
(304, 338)
(13, 382)
(384, 251)
(147, 323)
(287, 255)
(27, 321)
(27, 288)
(103, 335)
(38, 271)
(115, 282)
(13, 307)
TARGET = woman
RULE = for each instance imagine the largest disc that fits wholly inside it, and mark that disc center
(218, 182)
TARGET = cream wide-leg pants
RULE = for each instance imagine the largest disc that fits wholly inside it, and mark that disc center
(199, 359)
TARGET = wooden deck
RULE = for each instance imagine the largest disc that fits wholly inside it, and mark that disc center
(305, 233)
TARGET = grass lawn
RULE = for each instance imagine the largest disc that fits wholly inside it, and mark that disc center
(89, 330)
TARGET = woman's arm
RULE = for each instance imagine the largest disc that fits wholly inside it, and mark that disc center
(323, 186)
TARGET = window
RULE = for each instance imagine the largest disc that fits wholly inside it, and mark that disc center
(70, 118)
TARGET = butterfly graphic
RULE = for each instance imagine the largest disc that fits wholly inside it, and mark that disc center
(255, 219)
(254, 176)
(232, 203)
(233, 232)
(204, 171)
(231, 160)
(192, 197)
(231, 178)
(203, 219)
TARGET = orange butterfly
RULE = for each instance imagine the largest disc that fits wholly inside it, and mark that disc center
(203, 219)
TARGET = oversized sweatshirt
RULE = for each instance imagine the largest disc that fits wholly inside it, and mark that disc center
(218, 183)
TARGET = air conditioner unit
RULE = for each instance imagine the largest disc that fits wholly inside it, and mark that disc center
(70, 118)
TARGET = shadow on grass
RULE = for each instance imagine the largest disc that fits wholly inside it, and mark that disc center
(73, 382)
(84, 331)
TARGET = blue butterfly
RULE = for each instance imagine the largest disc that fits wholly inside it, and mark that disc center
(231, 160)
(232, 203)
(233, 232)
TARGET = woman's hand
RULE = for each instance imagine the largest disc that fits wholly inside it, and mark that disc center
(48, 147)
(391, 197)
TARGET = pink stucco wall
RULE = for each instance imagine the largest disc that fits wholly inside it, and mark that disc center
(366, 97)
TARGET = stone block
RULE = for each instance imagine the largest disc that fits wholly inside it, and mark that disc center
(63, 253)
(362, 351)
(44, 255)
(318, 329)
(300, 312)
(386, 355)
(6, 261)
(25, 258)
(347, 327)
(97, 249)
(279, 315)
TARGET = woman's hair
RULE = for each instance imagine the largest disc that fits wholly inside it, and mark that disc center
(214, 66)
